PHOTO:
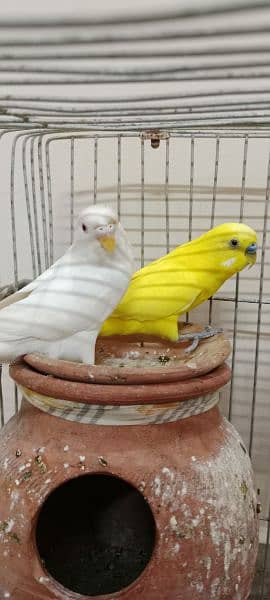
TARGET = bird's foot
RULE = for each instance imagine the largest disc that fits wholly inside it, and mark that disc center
(196, 337)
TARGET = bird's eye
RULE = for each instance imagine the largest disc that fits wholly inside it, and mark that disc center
(84, 228)
(234, 243)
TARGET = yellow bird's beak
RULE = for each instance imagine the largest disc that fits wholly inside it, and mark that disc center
(251, 253)
(107, 242)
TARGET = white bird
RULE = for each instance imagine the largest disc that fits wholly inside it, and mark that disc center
(61, 312)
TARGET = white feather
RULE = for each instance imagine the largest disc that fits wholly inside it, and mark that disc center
(73, 297)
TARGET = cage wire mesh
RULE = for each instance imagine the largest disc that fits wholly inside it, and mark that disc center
(178, 141)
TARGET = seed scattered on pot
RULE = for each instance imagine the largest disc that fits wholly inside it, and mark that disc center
(163, 359)
(18, 452)
(26, 475)
(102, 461)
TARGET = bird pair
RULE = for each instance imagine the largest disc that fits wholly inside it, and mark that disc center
(83, 294)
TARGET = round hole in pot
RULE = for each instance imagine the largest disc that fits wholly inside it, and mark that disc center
(95, 534)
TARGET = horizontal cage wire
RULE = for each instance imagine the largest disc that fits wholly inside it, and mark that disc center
(177, 142)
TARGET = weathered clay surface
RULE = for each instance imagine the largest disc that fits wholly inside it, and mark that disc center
(195, 474)
(140, 359)
(77, 391)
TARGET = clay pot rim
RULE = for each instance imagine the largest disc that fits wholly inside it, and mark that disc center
(105, 374)
(210, 353)
(119, 395)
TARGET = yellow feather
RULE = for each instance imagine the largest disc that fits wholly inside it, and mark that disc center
(178, 282)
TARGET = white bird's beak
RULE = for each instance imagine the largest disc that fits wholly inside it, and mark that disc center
(108, 242)
(106, 237)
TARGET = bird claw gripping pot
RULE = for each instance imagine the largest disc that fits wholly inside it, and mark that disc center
(122, 480)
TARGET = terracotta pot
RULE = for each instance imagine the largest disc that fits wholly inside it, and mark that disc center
(125, 490)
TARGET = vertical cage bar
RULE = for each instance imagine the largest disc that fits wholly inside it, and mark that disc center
(71, 190)
(167, 214)
(259, 318)
(50, 204)
(29, 216)
(42, 199)
(213, 210)
(119, 174)
(95, 168)
(236, 304)
(142, 200)
(12, 211)
(214, 196)
(32, 161)
(16, 400)
(191, 186)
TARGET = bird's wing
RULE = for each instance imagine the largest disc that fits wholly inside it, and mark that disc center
(27, 289)
(159, 293)
(14, 298)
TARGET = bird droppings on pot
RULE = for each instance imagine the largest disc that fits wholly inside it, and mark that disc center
(176, 548)
(142, 486)
(157, 486)
(66, 465)
(66, 448)
(6, 526)
(214, 589)
(18, 453)
(193, 458)
(133, 354)
(5, 464)
(22, 468)
(168, 472)
(196, 521)
(191, 364)
(42, 579)
(206, 561)
(173, 523)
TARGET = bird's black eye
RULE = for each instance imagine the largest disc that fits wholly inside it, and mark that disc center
(234, 243)
(84, 228)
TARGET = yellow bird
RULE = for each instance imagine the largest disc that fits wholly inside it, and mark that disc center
(181, 280)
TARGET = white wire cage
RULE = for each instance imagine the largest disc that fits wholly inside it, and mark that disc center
(178, 142)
